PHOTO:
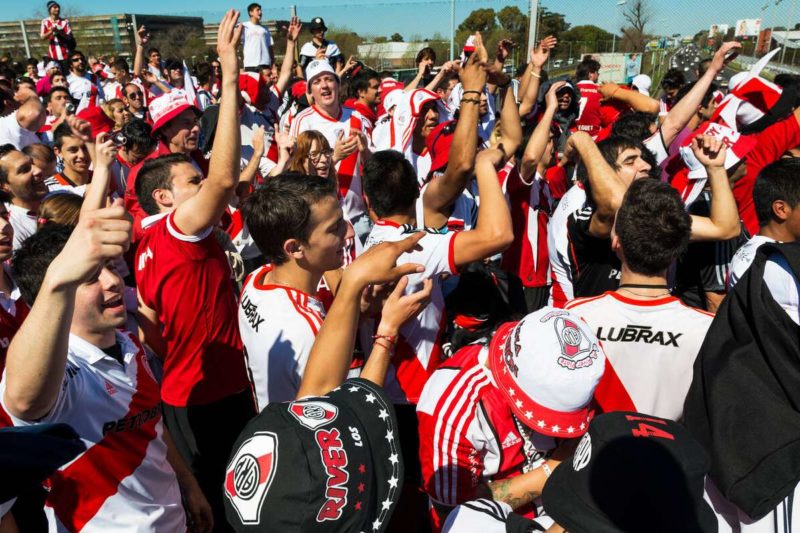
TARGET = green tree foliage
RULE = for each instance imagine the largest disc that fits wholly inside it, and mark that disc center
(396, 38)
(482, 20)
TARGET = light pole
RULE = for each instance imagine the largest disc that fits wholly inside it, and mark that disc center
(452, 29)
(614, 33)
(786, 34)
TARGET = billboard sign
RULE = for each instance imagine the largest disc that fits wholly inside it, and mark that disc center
(747, 28)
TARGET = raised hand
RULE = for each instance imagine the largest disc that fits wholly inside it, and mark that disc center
(551, 99)
(379, 263)
(344, 147)
(473, 75)
(721, 57)
(709, 150)
(293, 31)
(228, 37)
(142, 35)
(541, 52)
(504, 48)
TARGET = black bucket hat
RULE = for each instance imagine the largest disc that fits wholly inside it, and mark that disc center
(330, 463)
(634, 473)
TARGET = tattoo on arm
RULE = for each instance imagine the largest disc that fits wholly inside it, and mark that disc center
(501, 491)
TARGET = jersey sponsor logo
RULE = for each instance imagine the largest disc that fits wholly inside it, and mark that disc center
(251, 313)
(510, 440)
(144, 257)
(582, 453)
(577, 351)
(250, 474)
(633, 333)
(334, 459)
(133, 421)
(314, 415)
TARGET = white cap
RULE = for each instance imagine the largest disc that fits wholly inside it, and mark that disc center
(642, 82)
(392, 98)
(317, 68)
(547, 366)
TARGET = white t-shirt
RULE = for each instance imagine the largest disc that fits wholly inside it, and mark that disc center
(12, 133)
(743, 258)
(418, 351)
(23, 221)
(256, 41)
(278, 325)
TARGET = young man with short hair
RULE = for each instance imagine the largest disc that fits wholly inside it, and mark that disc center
(345, 130)
(139, 143)
(122, 76)
(776, 196)
(43, 158)
(69, 362)
(57, 31)
(297, 223)
(586, 75)
(73, 152)
(319, 47)
(25, 186)
(365, 97)
(187, 303)
(256, 42)
(650, 338)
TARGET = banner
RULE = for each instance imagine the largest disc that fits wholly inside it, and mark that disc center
(718, 28)
(619, 68)
(747, 28)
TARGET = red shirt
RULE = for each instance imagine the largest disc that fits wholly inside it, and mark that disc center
(527, 257)
(771, 144)
(187, 281)
(590, 119)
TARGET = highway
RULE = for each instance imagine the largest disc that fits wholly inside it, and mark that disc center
(686, 59)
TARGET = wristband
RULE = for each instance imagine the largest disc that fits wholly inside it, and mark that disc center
(389, 338)
(535, 75)
(473, 92)
(470, 101)
(547, 469)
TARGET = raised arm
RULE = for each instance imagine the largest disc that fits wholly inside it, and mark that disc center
(493, 232)
(635, 99)
(531, 79)
(537, 143)
(607, 189)
(96, 195)
(442, 192)
(723, 222)
(422, 71)
(141, 38)
(285, 75)
(510, 127)
(330, 356)
(204, 209)
(37, 356)
(682, 112)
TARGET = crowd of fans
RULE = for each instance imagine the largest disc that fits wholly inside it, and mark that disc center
(305, 296)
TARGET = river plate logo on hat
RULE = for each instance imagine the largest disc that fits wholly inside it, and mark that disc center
(250, 474)
(313, 414)
(577, 351)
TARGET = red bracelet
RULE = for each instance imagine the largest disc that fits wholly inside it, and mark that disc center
(391, 338)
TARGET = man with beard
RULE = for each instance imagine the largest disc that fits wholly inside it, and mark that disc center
(25, 184)
(83, 86)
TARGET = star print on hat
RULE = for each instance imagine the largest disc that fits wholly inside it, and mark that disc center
(547, 366)
(331, 463)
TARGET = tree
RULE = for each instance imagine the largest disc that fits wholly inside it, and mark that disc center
(514, 23)
(482, 20)
(551, 23)
(587, 32)
(396, 38)
(638, 15)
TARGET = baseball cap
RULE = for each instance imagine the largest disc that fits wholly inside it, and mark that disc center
(250, 84)
(738, 147)
(329, 463)
(318, 24)
(391, 98)
(547, 366)
(642, 82)
(317, 68)
(99, 121)
(632, 472)
(438, 143)
(168, 106)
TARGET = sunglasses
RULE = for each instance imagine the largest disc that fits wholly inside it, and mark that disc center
(134, 96)
(76, 59)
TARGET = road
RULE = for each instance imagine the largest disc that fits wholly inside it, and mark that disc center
(686, 59)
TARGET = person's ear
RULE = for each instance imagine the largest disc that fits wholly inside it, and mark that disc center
(293, 248)
(163, 197)
(781, 210)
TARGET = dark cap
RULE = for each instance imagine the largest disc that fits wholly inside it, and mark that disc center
(330, 463)
(52, 3)
(318, 24)
(632, 472)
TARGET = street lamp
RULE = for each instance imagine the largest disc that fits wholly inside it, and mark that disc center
(614, 33)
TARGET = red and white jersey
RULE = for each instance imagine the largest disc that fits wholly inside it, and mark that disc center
(465, 209)
(123, 481)
(13, 311)
(113, 89)
(419, 349)
(382, 133)
(590, 119)
(186, 279)
(467, 432)
(278, 325)
(86, 90)
(561, 291)
(650, 347)
(530, 205)
(250, 119)
(349, 169)
(57, 49)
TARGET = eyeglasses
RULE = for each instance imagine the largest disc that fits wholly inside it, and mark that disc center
(314, 157)
(134, 96)
(76, 59)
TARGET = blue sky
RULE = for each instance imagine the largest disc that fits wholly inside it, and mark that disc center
(415, 17)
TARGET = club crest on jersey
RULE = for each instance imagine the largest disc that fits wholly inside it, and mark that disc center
(577, 351)
(510, 351)
(313, 414)
(250, 474)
